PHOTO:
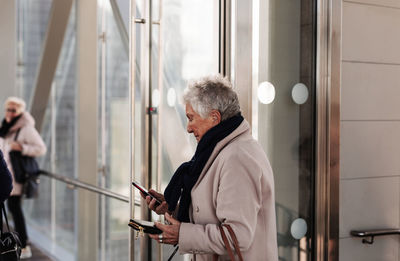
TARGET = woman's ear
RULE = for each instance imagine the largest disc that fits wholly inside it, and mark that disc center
(215, 116)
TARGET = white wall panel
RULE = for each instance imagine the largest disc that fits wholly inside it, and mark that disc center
(369, 204)
(387, 3)
(370, 91)
(371, 33)
(369, 149)
(384, 249)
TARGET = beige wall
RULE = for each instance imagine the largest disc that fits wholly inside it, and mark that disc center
(7, 51)
(370, 127)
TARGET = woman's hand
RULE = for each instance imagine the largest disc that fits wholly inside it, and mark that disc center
(170, 234)
(16, 146)
(160, 209)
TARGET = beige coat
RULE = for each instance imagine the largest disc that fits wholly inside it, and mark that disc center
(29, 138)
(236, 187)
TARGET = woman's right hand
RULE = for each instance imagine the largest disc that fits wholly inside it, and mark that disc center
(160, 209)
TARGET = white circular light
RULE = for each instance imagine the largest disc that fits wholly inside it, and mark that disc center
(171, 97)
(155, 98)
(299, 93)
(266, 92)
(298, 229)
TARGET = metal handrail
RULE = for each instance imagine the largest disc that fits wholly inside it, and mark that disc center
(83, 185)
(373, 233)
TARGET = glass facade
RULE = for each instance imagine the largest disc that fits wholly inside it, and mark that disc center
(285, 109)
(178, 41)
(114, 128)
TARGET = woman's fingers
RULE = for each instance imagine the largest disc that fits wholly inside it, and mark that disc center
(157, 195)
(171, 220)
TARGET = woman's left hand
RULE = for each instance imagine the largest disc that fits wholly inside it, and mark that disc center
(170, 233)
(16, 146)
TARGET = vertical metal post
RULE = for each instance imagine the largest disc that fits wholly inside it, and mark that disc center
(328, 129)
(103, 131)
(225, 9)
(87, 129)
(132, 54)
(53, 157)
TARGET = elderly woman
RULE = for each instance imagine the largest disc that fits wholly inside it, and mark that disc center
(18, 133)
(228, 181)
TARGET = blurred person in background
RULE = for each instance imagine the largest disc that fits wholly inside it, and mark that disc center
(18, 121)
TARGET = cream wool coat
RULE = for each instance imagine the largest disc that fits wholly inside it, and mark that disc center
(29, 138)
(236, 187)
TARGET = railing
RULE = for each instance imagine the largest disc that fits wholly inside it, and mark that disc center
(77, 183)
(373, 233)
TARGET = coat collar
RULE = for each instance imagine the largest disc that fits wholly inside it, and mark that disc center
(25, 120)
(244, 128)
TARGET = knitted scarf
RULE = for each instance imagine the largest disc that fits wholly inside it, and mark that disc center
(6, 126)
(186, 176)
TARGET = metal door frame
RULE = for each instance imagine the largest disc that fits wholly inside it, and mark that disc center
(328, 77)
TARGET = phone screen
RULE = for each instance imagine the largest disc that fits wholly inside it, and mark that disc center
(144, 191)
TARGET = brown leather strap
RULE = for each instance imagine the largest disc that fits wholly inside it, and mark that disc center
(235, 241)
(227, 245)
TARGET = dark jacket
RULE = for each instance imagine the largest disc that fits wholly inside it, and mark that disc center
(5, 179)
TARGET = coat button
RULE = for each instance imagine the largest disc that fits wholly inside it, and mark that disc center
(197, 209)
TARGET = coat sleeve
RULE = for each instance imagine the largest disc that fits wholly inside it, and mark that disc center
(32, 143)
(5, 179)
(238, 203)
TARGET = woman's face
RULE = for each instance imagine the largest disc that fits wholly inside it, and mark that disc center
(196, 124)
(12, 111)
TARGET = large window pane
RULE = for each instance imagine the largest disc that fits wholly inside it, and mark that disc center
(52, 215)
(286, 119)
(114, 126)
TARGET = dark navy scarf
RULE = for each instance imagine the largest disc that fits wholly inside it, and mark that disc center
(188, 173)
(6, 126)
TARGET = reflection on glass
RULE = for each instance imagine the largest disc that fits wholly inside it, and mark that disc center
(285, 130)
(266, 92)
(51, 217)
(171, 97)
(187, 54)
(299, 93)
(189, 50)
(114, 128)
(156, 98)
(298, 229)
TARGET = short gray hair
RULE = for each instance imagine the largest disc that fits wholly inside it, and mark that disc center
(212, 93)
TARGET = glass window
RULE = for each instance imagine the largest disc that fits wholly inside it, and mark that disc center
(114, 125)
(51, 217)
(285, 117)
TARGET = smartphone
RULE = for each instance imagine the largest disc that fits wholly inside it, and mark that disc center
(145, 192)
(144, 226)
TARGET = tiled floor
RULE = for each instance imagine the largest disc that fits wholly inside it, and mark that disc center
(38, 255)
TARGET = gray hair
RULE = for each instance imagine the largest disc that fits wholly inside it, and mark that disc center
(212, 93)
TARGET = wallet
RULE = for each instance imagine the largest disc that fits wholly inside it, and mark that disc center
(144, 226)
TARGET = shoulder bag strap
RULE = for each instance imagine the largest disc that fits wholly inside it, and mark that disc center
(1, 219)
(227, 245)
(235, 241)
(226, 242)
(17, 134)
(3, 210)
